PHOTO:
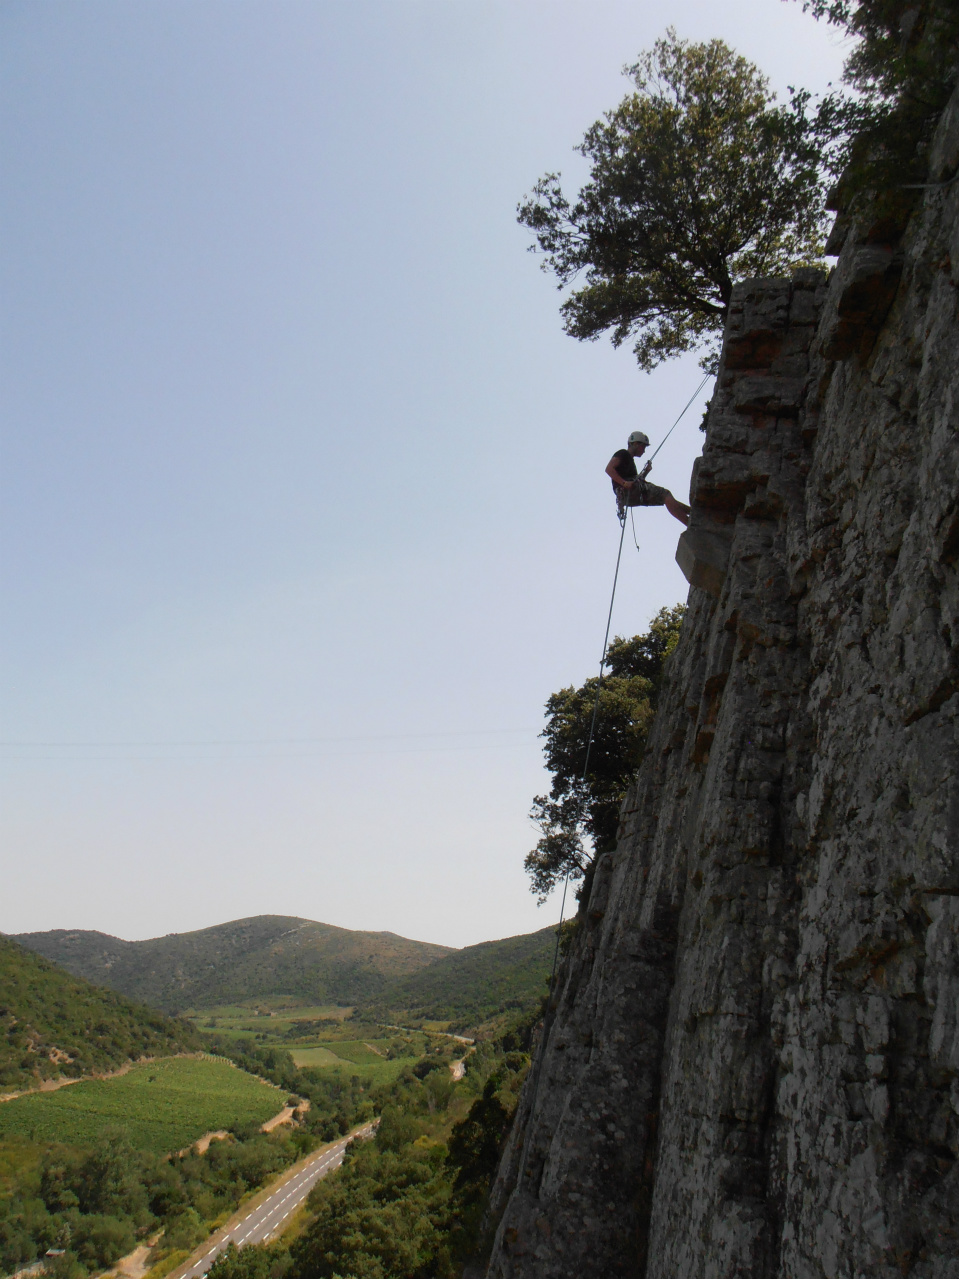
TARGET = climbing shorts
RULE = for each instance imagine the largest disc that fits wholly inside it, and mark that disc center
(642, 493)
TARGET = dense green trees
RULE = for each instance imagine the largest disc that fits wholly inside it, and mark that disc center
(409, 1205)
(584, 801)
(53, 1024)
(902, 68)
(382, 1217)
(697, 178)
(474, 1145)
(249, 1263)
(97, 1204)
(476, 984)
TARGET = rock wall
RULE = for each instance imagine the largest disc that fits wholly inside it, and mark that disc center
(752, 1068)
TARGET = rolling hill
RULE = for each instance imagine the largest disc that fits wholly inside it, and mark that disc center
(264, 956)
(476, 984)
(53, 1024)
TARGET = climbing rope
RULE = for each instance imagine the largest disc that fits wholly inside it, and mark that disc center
(682, 415)
(589, 747)
(602, 662)
(592, 726)
(562, 911)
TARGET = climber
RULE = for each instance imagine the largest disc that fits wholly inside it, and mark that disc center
(630, 486)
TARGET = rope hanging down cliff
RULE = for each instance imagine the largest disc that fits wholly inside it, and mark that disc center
(589, 747)
(602, 661)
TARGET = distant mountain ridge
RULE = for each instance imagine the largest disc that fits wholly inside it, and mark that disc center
(54, 1024)
(265, 955)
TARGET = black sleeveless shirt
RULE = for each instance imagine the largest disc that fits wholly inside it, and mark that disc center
(625, 466)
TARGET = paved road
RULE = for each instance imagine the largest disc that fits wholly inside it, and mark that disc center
(266, 1218)
(410, 1030)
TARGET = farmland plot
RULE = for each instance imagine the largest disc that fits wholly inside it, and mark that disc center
(163, 1105)
(352, 1057)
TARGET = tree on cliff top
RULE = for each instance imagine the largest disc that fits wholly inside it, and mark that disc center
(579, 806)
(903, 68)
(697, 179)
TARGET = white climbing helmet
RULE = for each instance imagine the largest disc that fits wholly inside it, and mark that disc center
(638, 437)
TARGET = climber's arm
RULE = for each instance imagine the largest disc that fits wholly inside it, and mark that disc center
(615, 476)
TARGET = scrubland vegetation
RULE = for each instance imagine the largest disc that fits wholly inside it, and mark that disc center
(52, 1025)
(240, 960)
(96, 1202)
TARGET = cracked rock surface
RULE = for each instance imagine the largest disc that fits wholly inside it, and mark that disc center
(752, 1064)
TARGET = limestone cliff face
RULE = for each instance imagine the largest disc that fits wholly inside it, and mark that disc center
(753, 1067)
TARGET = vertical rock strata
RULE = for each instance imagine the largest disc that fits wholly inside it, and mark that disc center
(753, 1067)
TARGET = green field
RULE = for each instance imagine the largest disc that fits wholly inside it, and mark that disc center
(164, 1105)
(319, 1058)
(369, 1052)
(352, 1057)
(274, 1020)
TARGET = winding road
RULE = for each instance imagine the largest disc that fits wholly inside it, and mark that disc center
(259, 1220)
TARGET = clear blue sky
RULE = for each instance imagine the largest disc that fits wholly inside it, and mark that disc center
(303, 505)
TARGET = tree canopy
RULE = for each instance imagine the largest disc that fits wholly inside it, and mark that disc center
(903, 67)
(697, 178)
(584, 802)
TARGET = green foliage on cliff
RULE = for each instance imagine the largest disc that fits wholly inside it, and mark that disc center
(902, 69)
(584, 800)
(52, 1024)
(697, 179)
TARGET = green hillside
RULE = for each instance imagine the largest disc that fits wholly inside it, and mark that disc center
(476, 984)
(53, 1024)
(267, 955)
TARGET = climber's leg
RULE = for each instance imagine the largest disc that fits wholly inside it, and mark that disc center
(677, 509)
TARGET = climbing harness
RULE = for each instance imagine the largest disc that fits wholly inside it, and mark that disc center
(589, 747)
